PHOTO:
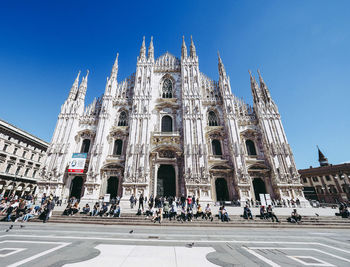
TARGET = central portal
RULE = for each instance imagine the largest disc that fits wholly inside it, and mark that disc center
(112, 186)
(166, 185)
(259, 187)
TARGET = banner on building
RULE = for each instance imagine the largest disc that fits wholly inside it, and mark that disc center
(268, 199)
(262, 200)
(106, 197)
(77, 163)
(265, 199)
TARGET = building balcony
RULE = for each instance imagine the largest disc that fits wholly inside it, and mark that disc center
(115, 158)
(255, 158)
(169, 138)
(166, 133)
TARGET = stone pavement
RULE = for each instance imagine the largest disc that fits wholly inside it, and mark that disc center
(86, 245)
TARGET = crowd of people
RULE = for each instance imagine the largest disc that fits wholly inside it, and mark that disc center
(25, 208)
(289, 203)
(266, 213)
(181, 209)
(157, 209)
(100, 208)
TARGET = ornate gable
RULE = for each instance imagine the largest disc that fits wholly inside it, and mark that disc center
(167, 62)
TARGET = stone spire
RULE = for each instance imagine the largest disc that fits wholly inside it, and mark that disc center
(114, 72)
(183, 48)
(222, 71)
(143, 50)
(74, 89)
(192, 49)
(255, 88)
(264, 90)
(151, 50)
(322, 159)
(83, 87)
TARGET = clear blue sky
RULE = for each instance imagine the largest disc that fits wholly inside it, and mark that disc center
(301, 47)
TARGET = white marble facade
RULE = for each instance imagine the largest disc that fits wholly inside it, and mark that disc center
(168, 129)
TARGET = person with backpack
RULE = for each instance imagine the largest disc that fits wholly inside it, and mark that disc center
(141, 202)
(132, 201)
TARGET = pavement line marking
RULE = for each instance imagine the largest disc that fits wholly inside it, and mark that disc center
(269, 262)
(177, 240)
(300, 260)
(63, 244)
(14, 250)
(38, 242)
(159, 234)
(314, 249)
(190, 235)
(175, 234)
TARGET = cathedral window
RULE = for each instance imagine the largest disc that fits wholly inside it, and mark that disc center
(212, 119)
(123, 119)
(216, 147)
(118, 147)
(167, 124)
(85, 146)
(167, 91)
(250, 147)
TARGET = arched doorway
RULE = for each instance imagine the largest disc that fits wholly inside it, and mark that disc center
(259, 187)
(166, 185)
(221, 189)
(76, 187)
(112, 186)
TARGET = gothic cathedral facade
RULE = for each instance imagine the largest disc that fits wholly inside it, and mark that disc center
(169, 130)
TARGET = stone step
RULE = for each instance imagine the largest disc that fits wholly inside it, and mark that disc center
(217, 224)
(199, 220)
(234, 223)
(127, 214)
(233, 218)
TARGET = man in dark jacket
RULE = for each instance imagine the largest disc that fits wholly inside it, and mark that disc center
(141, 201)
(247, 214)
(50, 205)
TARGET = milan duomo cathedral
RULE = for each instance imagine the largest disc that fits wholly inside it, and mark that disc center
(169, 130)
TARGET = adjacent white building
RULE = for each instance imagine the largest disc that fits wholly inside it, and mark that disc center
(170, 130)
(21, 158)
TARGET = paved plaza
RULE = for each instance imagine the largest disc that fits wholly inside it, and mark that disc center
(96, 245)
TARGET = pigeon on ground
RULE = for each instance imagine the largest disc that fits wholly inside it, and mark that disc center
(131, 231)
(190, 245)
(7, 230)
(317, 215)
(22, 226)
(11, 226)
